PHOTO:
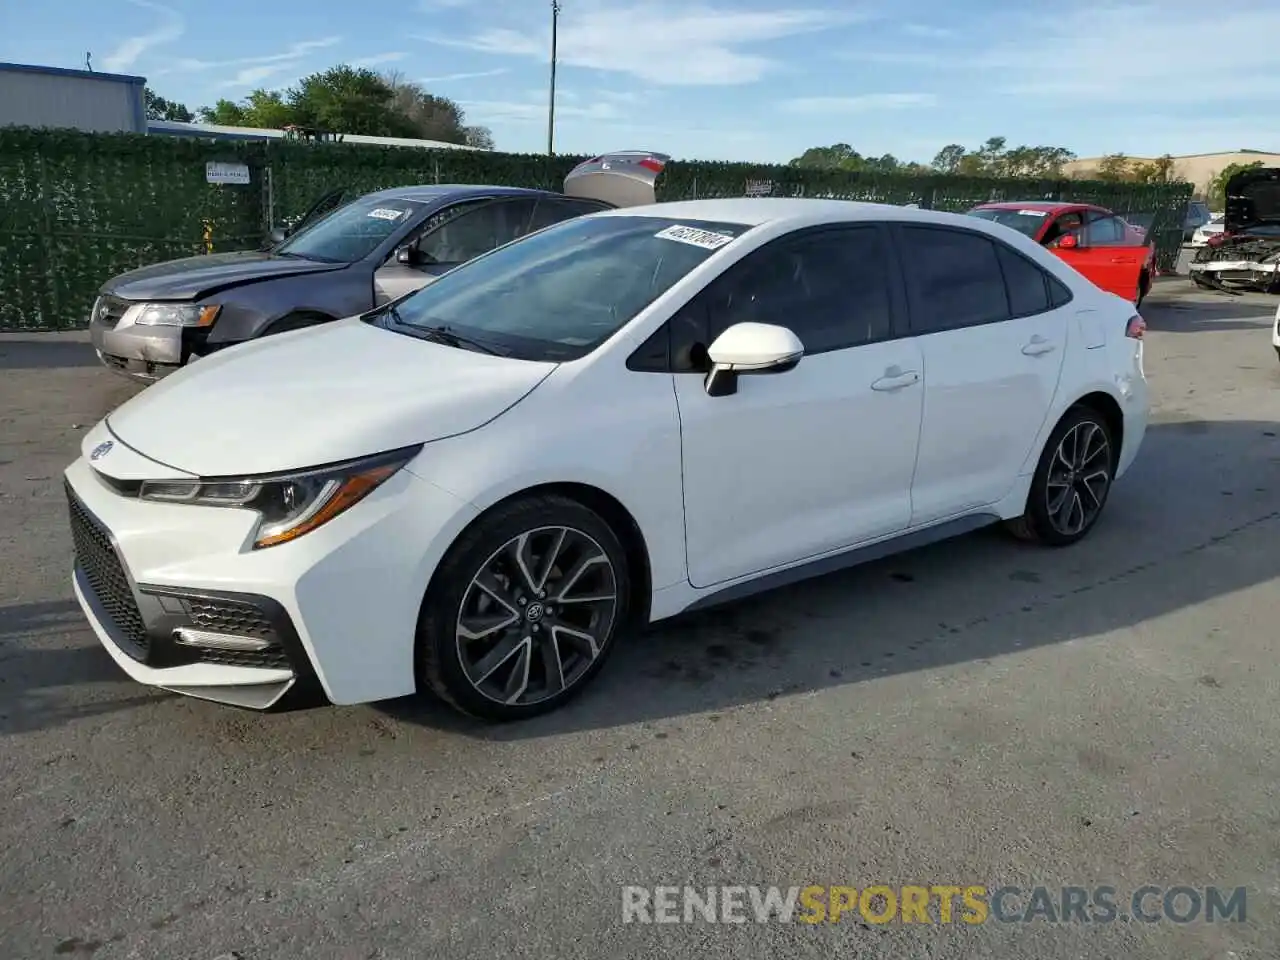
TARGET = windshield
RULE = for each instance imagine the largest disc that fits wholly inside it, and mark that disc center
(351, 232)
(1024, 221)
(558, 294)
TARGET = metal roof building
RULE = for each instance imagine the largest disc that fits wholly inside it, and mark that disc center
(175, 128)
(32, 96)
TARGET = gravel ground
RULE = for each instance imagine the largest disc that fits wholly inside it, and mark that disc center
(977, 712)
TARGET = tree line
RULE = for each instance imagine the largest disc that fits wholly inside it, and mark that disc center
(994, 158)
(342, 99)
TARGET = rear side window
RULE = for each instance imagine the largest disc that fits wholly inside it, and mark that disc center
(1027, 284)
(956, 279)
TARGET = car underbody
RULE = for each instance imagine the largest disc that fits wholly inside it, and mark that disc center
(1239, 264)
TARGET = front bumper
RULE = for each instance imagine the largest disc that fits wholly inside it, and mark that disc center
(1241, 273)
(139, 352)
(334, 613)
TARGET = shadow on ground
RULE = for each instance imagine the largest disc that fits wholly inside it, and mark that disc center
(1181, 308)
(45, 352)
(970, 599)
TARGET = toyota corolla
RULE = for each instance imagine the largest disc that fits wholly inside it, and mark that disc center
(479, 489)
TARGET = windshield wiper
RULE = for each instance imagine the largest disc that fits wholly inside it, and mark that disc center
(451, 338)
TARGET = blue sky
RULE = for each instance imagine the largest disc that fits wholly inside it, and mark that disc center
(728, 79)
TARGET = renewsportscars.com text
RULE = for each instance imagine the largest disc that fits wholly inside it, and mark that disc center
(933, 904)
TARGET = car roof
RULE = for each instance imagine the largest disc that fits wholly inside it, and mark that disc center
(1044, 206)
(793, 212)
(455, 191)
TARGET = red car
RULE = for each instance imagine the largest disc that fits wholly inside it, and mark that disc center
(1107, 249)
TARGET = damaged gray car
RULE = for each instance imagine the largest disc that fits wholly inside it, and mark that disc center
(1246, 254)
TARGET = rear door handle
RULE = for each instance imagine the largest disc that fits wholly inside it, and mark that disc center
(893, 380)
(1038, 346)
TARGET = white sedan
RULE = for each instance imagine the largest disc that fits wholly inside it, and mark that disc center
(479, 490)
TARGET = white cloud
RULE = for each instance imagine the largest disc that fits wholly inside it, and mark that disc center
(169, 29)
(376, 59)
(445, 78)
(858, 104)
(1142, 56)
(248, 72)
(662, 42)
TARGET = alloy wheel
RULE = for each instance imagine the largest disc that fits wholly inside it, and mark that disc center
(537, 615)
(1079, 477)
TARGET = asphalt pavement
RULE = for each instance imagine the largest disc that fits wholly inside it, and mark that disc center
(974, 713)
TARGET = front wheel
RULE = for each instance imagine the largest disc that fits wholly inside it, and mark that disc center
(1071, 482)
(524, 609)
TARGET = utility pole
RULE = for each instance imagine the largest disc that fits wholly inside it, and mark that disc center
(551, 106)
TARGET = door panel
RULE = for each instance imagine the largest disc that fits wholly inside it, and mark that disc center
(993, 348)
(797, 464)
(800, 463)
(988, 391)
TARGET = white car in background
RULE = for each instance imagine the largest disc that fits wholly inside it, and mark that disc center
(1275, 333)
(480, 487)
(1211, 229)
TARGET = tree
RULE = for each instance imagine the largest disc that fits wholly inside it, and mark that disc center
(948, 158)
(1159, 170)
(1218, 185)
(158, 108)
(1114, 168)
(839, 156)
(344, 99)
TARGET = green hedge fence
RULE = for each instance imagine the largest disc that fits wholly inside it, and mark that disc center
(77, 208)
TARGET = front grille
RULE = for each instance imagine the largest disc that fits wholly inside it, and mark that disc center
(96, 557)
(108, 310)
(241, 619)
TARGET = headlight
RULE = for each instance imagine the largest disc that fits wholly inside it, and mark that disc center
(175, 315)
(288, 505)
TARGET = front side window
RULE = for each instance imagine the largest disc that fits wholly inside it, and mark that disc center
(351, 232)
(559, 294)
(829, 288)
(956, 279)
(476, 231)
(1107, 230)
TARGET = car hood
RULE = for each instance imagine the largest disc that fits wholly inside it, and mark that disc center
(318, 396)
(193, 277)
(1253, 198)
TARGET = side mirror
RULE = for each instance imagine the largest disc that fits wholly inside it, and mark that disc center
(1068, 241)
(278, 235)
(750, 348)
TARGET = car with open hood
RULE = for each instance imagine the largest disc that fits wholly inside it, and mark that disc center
(341, 259)
(1246, 254)
(481, 489)
(1110, 250)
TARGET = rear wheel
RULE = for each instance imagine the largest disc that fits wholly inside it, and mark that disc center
(523, 610)
(1071, 482)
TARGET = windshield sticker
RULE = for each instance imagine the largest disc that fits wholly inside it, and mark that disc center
(386, 213)
(695, 237)
(1031, 213)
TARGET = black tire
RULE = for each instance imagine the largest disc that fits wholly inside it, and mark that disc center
(295, 321)
(1041, 523)
(440, 664)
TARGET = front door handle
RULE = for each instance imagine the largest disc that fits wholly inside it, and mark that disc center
(1038, 346)
(895, 379)
(1124, 259)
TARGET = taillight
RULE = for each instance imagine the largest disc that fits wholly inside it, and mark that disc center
(1216, 240)
(1135, 328)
